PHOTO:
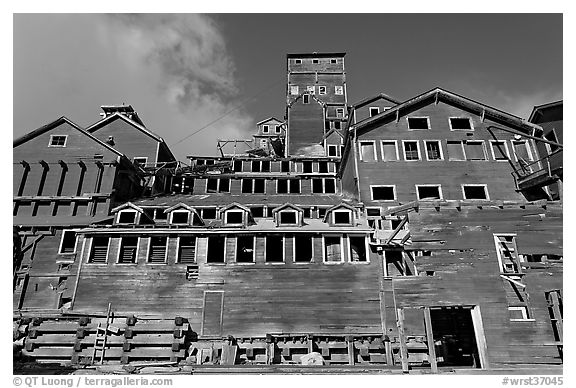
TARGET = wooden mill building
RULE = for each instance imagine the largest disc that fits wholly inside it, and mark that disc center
(414, 235)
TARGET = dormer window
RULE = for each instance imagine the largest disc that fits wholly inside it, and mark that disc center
(234, 217)
(278, 129)
(288, 215)
(288, 218)
(180, 217)
(265, 129)
(127, 217)
(374, 110)
(342, 217)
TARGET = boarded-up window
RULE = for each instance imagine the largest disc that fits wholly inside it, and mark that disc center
(68, 243)
(389, 151)
(257, 211)
(358, 249)
(187, 250)
(274, 249)
(367, 153)
(128, 249)
(332, 249)
(216, 245)
(157, 250)
(303, 248)
(455, 150)
(245, 249)
(475, 150)
(212, 313)
(99, 253)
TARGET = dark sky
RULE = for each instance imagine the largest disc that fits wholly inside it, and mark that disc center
(184, 71)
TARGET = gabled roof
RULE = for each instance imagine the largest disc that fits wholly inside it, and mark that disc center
(180, 205)
(285, 206)
(127, 205)
(439, 94)
(380, 96)
(336, 207)
(539, 108)
(269, 119)
(320, 102)
(48, 127)
(235, 205)
(99, 124)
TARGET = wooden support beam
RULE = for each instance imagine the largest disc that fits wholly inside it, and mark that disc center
(557, 315)
(513, 281)
(430, 340)
(402, 337)
(395, 232)
(350, 343)
(410, 263)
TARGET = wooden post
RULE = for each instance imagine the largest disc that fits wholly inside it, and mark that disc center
(557, 314)
(430, 340)
(402, 337)
(350, 343)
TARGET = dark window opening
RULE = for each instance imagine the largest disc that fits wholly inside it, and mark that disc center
(322, 167)
(358, 249)
(288, 218)
(374, 111)
(282, 186)
(237, 166)
(212, 185)
(257, 211)
(315, 61)
(306, 99)
(215, 252)
(475, 192)
(332, 249)
(247, 186)
(58, 140)
(330, 186)
(265, 166)
(234, 217)
(373, 212)
(224, 186)
(428, 192)
(259, 186)
(68, 242)
(307, 212)
(157, 249)
(418, 123)
(245, 249)
(285, 166)
(187, 250)
(307, 166)
(321, 212)
(303, 248)
(411, 150)
(462, 123)
(317, 186)
(342, 217)
(180, 217)
(332, 150)
(128, 250)
(294, 186)
(327, 125)
(274, 249)
(337, 125)
(209, 213)
(160, 215)
(433, 150)
(255, 166)
(383, 193)
(187, 185)
(395, 223)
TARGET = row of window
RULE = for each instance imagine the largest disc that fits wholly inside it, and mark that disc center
(311, 89)
(456, 150)
(266, 128)
(335, 249)
(258, 185)
(305, 166)
(428, 192)
(299, 61)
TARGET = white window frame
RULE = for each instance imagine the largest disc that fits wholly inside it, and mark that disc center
(483, 150)
(417, 117)
(373, 147)
(56, 145)
(234, 211)
(463, 151)
(339, 90)
(294, 250)
(91, 246)
(297, 61)
(498, 252)
(145, 158)
(278, 129)
(224, 261)
(366, 250)
(62, 242)
(178, 258)
(149, 252)
(525, 314)
(493, 145)
(528, 149)
(342, 250)
(137, 250)
(322, 88)
(370, 109)
(279, 215)
(439, 147)
(336, 147)
(350, 217)
(383, 200)
(266, 250)
(311, 89)
(127, 211)
(430, 185)
(461, 117)
(333, 61)
(475, 185)
(265, 128)
(253, 251)
(417, 147)
(306, 98)
(180, 211)
(395, 147)
(340, 113)
(294, 90)
(315, 61)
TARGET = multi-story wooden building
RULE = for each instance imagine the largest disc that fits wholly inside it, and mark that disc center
(416, 249)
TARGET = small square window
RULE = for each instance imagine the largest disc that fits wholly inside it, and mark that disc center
(383, 193)
(306, 99)
(518, 313)
(288, 218)
(297, 61)
(333, 150)
(475, 191)
(265, 128)
(127, 217)
(209, 213)
(411, 151)
(58, 140)
(342, 218)
(428, 192)
(315, 61)
(460, 124)
(339, 90)
(294, 90)
(433, 150)
(374, 110)
(333, 61)
(180, 217)
(141, 160)
(234, 217)
(418, 123)
(322, 90)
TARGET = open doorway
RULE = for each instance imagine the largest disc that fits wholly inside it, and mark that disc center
(454, 336)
